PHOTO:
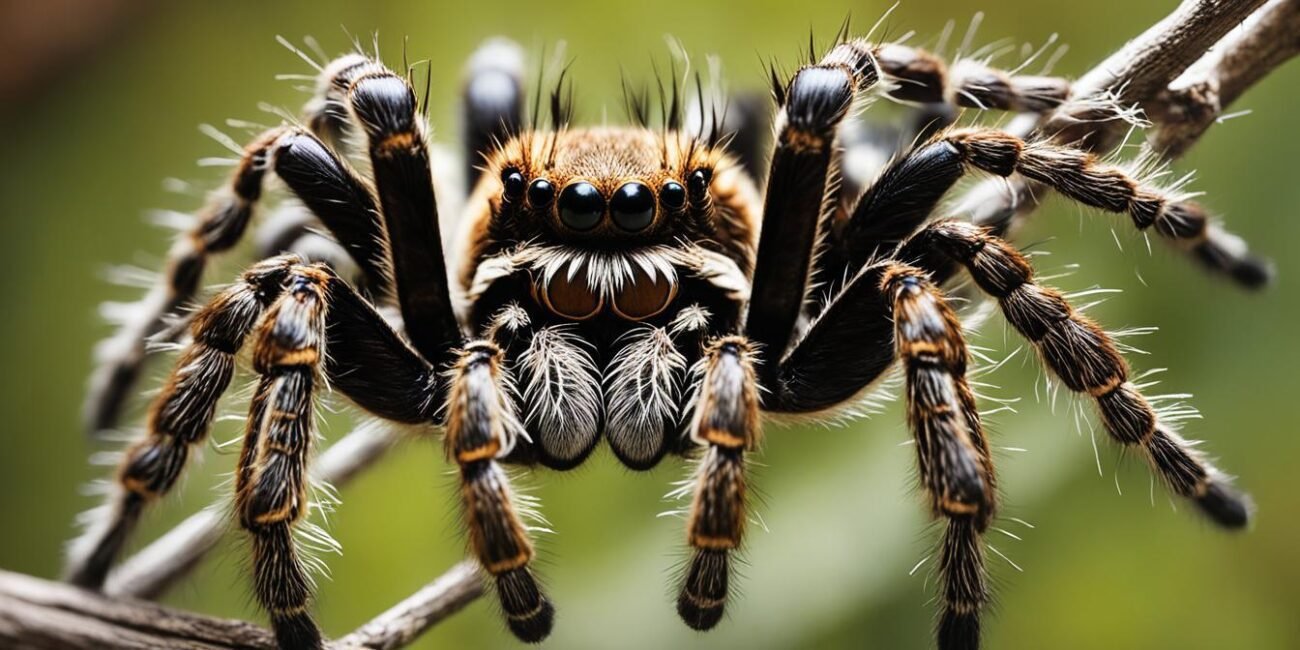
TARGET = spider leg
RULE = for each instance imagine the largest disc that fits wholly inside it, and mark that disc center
(906, 194)
(800, 178)
(939, 92)
(368, 362)
(1082, 177)
(384, 105)
(271, 478)
(813, 377)
(482, 426)
(1086, 361)
(887, 311)
(726, 422)
(182, 413)
(901, 198)
(491, 102)
(313, 173)
(952, 451)
(915, 75)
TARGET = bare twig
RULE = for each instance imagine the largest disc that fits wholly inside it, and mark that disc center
(151, 571)
(1148, 63)
(1198, 98)
(410, 618)
(37, 613)
(1134, 76)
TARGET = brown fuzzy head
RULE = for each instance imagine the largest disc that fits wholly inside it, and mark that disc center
(603, 187)
(609, 191)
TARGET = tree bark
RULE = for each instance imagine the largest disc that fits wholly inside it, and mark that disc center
(39, 614)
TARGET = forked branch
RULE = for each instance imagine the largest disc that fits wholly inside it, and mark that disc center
(1201, 95)
(1183, 73)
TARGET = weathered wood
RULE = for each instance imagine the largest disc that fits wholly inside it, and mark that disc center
(405, 622)
(1200, 96)
(1135, 76)
(40, 614)
(37, 613)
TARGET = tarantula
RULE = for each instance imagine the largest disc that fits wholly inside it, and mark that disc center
(630, 284)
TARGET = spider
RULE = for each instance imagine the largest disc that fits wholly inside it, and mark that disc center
(631, 284)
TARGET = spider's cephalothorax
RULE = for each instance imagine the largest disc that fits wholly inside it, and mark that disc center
(628, 285)
(600, 260)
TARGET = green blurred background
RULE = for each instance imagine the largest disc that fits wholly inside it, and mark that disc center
(89, 143)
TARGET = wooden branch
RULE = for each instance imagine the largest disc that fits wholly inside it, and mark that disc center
(40, 614)
(1135, 76)
(1143, 68)
(409, 619)
(1197, 99)
(36, 613)
(153, 570)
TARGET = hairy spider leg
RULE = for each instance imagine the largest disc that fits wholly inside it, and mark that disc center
(1087, 361)
(367, 361)
(482, 426)
(316, 177)
(800, 177)
(726, 423)
(385, 106)
(956, 468)
(271, 478)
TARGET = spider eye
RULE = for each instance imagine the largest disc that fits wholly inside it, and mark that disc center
(540, 193)
(581, 206)
(672, 195)
(699, 183)
(632, 207)
(513, 182)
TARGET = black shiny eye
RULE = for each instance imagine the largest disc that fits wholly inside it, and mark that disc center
(540, 193)
(672, 195)
(699, 183)
(581, 206)
(632, 207)
(513, 182)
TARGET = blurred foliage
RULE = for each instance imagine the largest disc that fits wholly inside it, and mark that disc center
(85, 158)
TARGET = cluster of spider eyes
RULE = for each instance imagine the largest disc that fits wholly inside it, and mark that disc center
(581, 205)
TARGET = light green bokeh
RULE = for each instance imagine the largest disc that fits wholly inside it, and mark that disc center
(84, 160)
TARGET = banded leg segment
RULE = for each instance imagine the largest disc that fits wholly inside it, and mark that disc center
(952, 453)
(903, 197)
(313, 173)
(181, 415)
(1082, 177)
(919, 76)
(482, 426)
(368, 362)
(1086, 361)
(906, 194)
(271, 480)
(726, 422)
(956, 467)
(800, 188)
(385, 107)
